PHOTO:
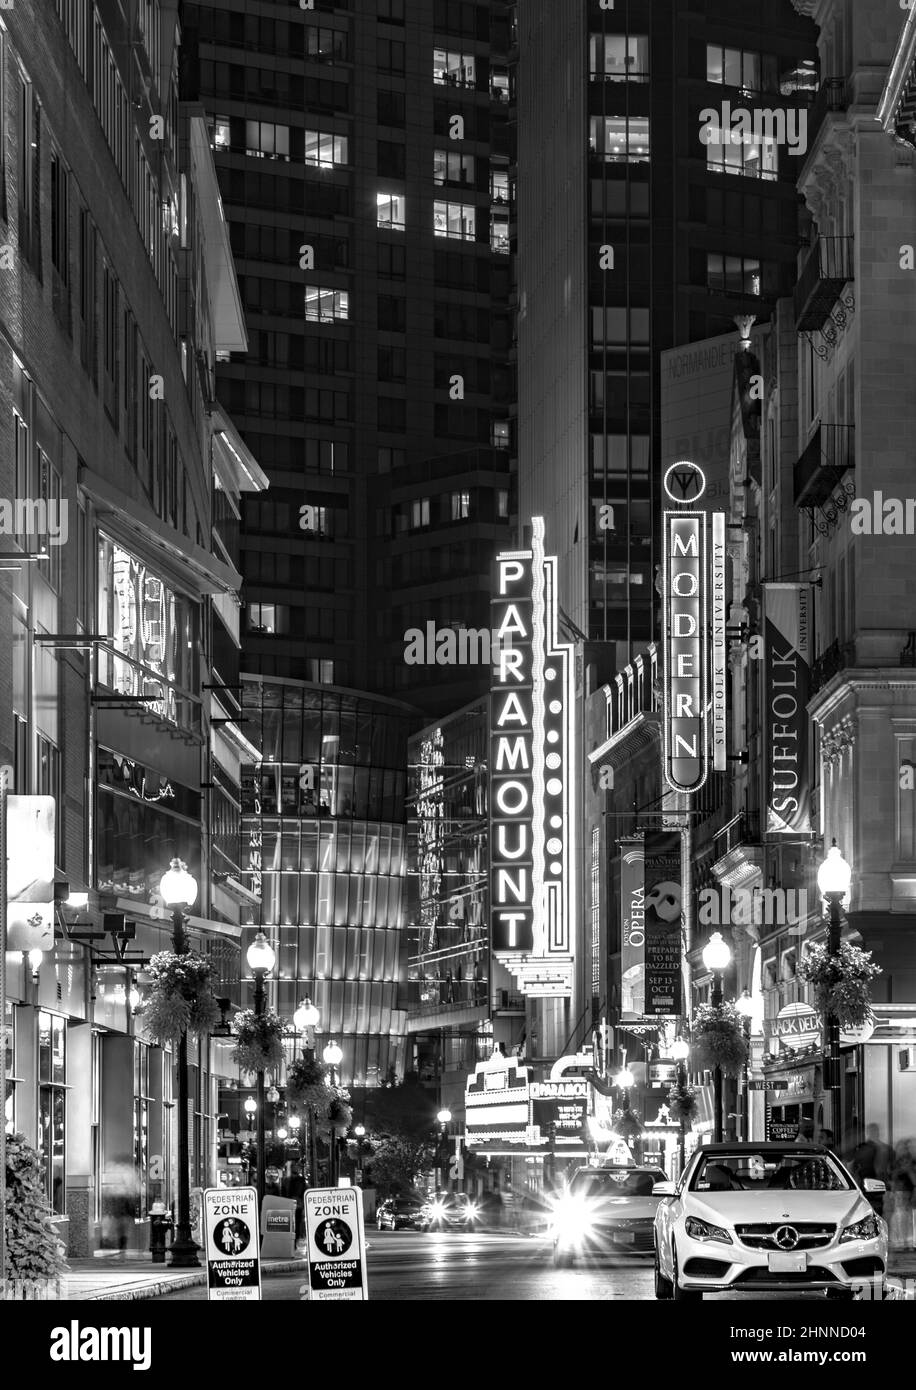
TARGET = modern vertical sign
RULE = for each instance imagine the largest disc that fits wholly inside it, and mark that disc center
(719, 645)
(685, 601)
(532, 775)
(632, 929)
(787, 688)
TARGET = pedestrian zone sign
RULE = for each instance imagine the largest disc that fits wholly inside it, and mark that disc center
(336, 1237)
(233, 1244)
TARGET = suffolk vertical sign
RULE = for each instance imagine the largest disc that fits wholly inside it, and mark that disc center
(532, 775)
(787, 689)
(685, 602)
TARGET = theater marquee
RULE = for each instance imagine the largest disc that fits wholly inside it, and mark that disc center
(532, 776)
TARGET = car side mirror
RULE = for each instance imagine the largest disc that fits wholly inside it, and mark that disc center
(873, 1185)
(663, 1189)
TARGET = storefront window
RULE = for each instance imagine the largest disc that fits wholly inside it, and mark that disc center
(141, 1127)
(52, 1079)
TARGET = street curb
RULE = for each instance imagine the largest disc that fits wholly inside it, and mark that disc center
(183, 1281)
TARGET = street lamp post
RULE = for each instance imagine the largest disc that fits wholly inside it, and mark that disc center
(833, 879)
(333, 1056)
(680, 1051)
(745, 1006)
(445, 1118)
(178, 890)
(261, 958)
(305, 1021)
(717, 957)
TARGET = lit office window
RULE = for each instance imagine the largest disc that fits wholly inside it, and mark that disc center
(268, 619)
(499, 233)
(461, 506)
(326, 305)
(619, 57)
(500, 434)
(499, 186)
(325, 150)
(450, 166)
(266, 140)
(453, 69)
(222, 137)
(457, 220)
(733, 67)
(391, 210)
(419, 513)
(733, 274)
(758, 160)
(620, 139)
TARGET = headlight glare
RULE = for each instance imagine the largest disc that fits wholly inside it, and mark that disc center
(702, 1230)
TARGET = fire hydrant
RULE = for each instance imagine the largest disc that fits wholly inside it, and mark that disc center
(160, 1224)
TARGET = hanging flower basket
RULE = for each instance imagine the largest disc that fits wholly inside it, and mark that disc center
(340, 1113)
(842, 982)
(306, 1084)
(717, 1039)
(683, 1104)
(628, 1127)
(259, 1045)
(180, 997)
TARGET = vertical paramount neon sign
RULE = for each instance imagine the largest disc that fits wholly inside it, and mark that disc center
(531, 775)
(686, 630)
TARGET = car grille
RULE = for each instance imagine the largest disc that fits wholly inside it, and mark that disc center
(764, 1278)
(812, 1235)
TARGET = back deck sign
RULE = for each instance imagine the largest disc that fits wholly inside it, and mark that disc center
(233, 1254)
(336, 1237)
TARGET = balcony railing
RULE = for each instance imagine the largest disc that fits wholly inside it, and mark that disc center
(829, 267)
(830, 453)
(839, 656)
(831, 97)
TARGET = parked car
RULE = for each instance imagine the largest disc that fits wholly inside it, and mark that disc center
(402, 1214)
(607, 1209)
(749, 1217)
(452, 1211)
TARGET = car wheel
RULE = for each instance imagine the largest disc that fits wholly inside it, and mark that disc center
(678, 1294)
(663, 1287)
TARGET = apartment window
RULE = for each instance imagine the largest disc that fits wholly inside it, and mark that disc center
(27, 169)
(609, 327)
(500, 434)
(392, 260)
(389, 55)
(391, 210)
(391, 108)
(266, 140)
(392, 313)
(392, 414)
(620, 139)
(751, 160)
(499, 84)
(391, 159)
(461, 506)
(222, 133)
(52, 1107)
(392, 11)
(456, 220)
(326, 45)
(49, 490)
(60, 217)
(619, 57)
(326, 305)
(450, 166)
(502, 502)
(499, 233)
(453, 69)
(110, 346)
(268, 619)
(320, 671)
(735, 67)
(392, 364)
(324, 149)
(499, 186)
(419, 513)
(733, 274)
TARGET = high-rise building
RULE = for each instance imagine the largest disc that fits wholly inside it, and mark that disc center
(638, 231)
(364, 159)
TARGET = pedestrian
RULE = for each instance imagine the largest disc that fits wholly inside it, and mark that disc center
(872, 1158)
(826, 1138)
(293, 1187)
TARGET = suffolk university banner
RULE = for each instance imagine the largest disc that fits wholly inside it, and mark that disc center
(787, 687)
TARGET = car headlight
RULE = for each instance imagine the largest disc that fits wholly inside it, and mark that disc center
(702, 1230)
(437, 1209)
(572, 1221)
(866, 1229)
(472, 1211)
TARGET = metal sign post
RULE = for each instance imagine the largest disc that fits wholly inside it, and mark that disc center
(336, 1244)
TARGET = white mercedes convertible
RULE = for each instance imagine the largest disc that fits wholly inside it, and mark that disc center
(750, 1217)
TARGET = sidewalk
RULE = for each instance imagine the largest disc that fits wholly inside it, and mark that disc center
(108, 1281)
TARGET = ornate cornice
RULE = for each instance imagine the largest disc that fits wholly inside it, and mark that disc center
(836, 740)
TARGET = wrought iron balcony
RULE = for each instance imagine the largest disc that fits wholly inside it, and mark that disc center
(838, 657)
(830, 453)
(829, 267)
(830, 97)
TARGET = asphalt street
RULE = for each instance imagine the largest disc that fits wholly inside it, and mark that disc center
(409, 1266)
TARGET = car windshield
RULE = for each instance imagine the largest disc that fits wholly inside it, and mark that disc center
(615, 1182)
(784, 1170)
(407, 1205)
